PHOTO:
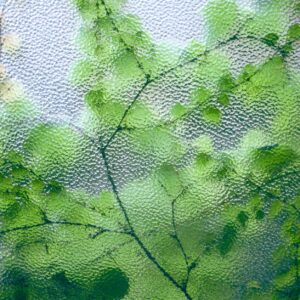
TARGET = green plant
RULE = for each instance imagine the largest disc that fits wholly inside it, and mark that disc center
(199, 218)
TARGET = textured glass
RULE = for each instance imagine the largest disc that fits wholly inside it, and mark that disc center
(149, 149)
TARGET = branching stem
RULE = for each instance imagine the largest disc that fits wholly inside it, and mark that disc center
(175, 235)
(116, 29)
(195, 59)
(132, 230)
(51, 223)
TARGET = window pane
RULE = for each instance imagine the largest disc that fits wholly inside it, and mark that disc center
(149, 149)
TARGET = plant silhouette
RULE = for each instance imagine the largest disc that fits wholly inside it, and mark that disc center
(184, 210)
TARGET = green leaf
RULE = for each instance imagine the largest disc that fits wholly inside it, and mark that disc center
(52, 188)
(194, 49)
(160, 143)
(286, 123)
(20, 283)
(110, 113)
(264, 22)
(163, 59)
(6, 184)
(178, 110)
(297, 202)
(52, 149)
(114, 5)
(88, 41)
(94, 99)
(269, 160)
(291, 228)
(203, 159)
(294, 32)
(272, 74)
(286, 49)
(111, 284)
(7, 202)
(221, 17)
(21, 175)
(201, 95)
(228, 238)
(126, 66)
(204, 144)
(130, 31)
(255, 203)
(215, 65)
(242, 217)
(105, 203)
(68, 289)
(169, 178)
(285, 280)
(224, 99)
(247, 73)
(212, 114)
(226, 83)
(140, 116)
(38, 187)
(90, 10)
(275, 209)
(271, 39)
(259, 215)
(225, 167)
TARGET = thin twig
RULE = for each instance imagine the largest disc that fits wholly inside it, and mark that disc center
(195, 59)
(119, 128)
(198, 106)
(175, 233)
(132, 231)
(177, 238)
(127, 47)
(51, 223)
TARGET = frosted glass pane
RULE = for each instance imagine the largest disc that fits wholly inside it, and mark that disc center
(149, 149)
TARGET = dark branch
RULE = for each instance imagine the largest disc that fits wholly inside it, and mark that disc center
(52, 223)
(132, 231)
(195, 59)
(119, 127)
(176, 235)
(196, 107)
(116, 29)
(147, 82)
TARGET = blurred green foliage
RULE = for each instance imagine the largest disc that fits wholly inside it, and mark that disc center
(195, 227)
